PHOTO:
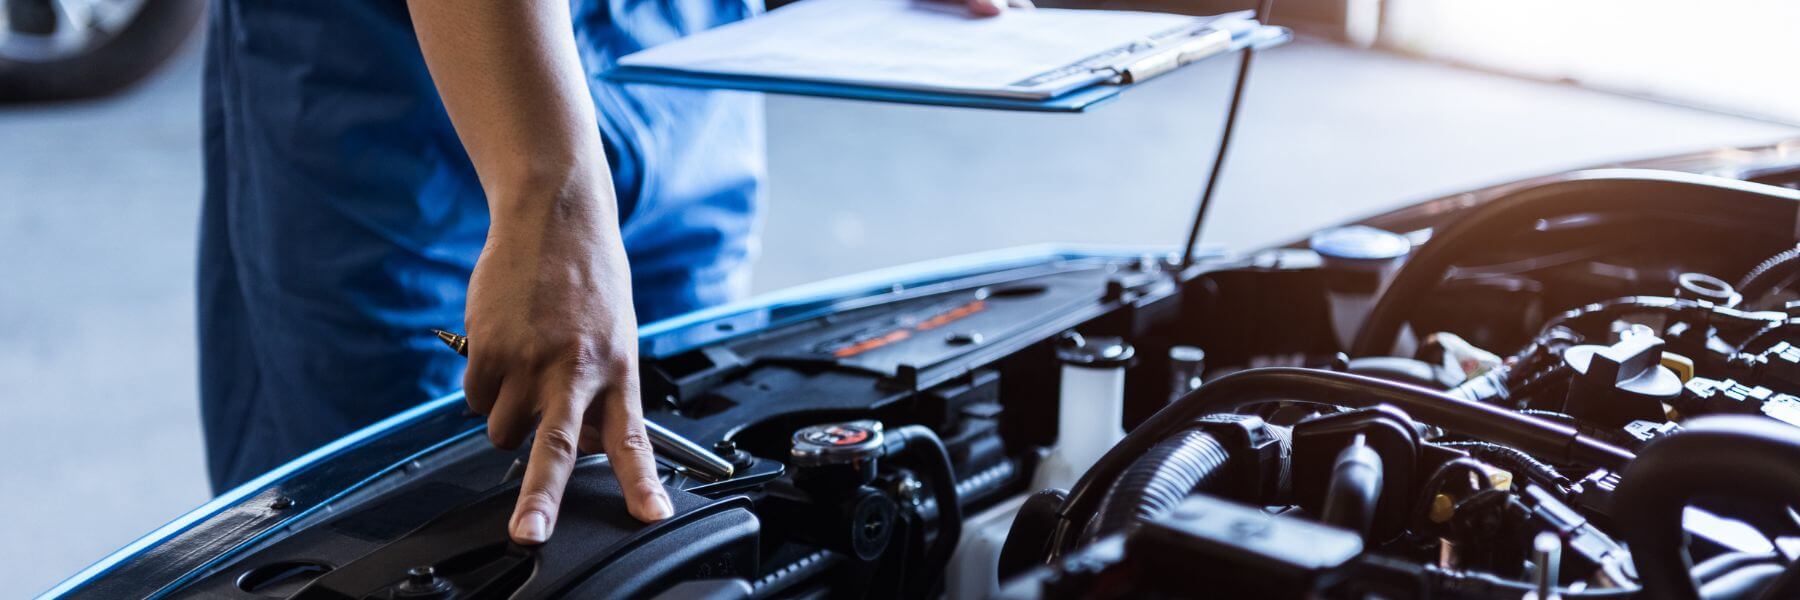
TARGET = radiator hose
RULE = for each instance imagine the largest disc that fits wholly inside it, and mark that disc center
(1771, 276)
(1174, 468)
(925, 446)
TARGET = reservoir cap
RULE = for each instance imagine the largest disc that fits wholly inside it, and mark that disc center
(1359, 242)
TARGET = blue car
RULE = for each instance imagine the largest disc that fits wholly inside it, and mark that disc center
(1578, 385)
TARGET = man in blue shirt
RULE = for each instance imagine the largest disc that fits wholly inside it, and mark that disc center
(376, 169)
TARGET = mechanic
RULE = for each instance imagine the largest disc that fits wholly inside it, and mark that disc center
(375, 169)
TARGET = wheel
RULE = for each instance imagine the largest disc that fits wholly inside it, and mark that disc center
(68, 49)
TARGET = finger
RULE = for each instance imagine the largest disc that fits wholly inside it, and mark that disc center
(481, 386)
(510, 420)
(628, 449)
(986, 8)
(546, 473)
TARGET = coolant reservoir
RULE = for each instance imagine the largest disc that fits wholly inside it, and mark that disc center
(1090, 409)
(1360, 260)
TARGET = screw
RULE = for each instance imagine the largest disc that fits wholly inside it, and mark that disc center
(281, 503)
(728, 450)
(910, 490)
(423, 582)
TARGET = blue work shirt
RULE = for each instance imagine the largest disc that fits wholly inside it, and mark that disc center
(342, 217)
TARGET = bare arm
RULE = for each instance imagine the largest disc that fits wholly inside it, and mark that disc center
(549, 308)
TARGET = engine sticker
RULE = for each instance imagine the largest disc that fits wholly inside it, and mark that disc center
(867, 340)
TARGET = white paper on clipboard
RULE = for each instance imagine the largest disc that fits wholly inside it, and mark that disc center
(924, 45)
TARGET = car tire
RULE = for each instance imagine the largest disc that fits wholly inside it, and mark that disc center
(109, 64)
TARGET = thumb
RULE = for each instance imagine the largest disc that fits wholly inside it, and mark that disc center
(986, 8)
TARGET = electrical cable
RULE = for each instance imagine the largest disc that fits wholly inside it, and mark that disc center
(1607, 310)
(1756, 341)
(1516, 460)
(1478, 475)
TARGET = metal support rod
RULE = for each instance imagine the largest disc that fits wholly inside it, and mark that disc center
(1263, 10)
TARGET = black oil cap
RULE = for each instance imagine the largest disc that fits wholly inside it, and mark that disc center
(1615, 385)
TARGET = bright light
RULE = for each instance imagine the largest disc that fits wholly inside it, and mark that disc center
(1740, 56)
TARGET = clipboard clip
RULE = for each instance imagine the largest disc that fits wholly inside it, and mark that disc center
(1199, 45)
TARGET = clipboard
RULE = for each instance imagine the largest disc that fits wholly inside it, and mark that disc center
(1074, 87)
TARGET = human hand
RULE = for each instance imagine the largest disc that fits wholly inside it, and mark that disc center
(988, 8)
(556, 342)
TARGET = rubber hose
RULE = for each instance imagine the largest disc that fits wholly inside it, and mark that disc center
(1255, 386)
(1604, 190)
(1550, 415)
(1718, 566)
(922, 443)
(1727, 455)
(1455, 583)
(1770, 275)
(1394, 368)
(1784, 587)
(1744, 583)
(1166, 475)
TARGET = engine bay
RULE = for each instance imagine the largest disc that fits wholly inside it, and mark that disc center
(1584, 385)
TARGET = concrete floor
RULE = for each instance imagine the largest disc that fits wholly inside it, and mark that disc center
(98, 205)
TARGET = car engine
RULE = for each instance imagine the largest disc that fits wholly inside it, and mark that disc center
(1581, 385)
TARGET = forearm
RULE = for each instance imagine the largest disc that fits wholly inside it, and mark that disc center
(550, 294)
(513, 84)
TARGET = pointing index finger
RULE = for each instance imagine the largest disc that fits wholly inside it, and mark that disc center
(546, 474)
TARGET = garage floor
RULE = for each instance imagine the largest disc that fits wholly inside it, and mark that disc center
(98, 206)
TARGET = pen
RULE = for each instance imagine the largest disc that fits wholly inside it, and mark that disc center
(667, 444)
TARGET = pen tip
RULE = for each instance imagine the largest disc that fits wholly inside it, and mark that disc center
(456, 342)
